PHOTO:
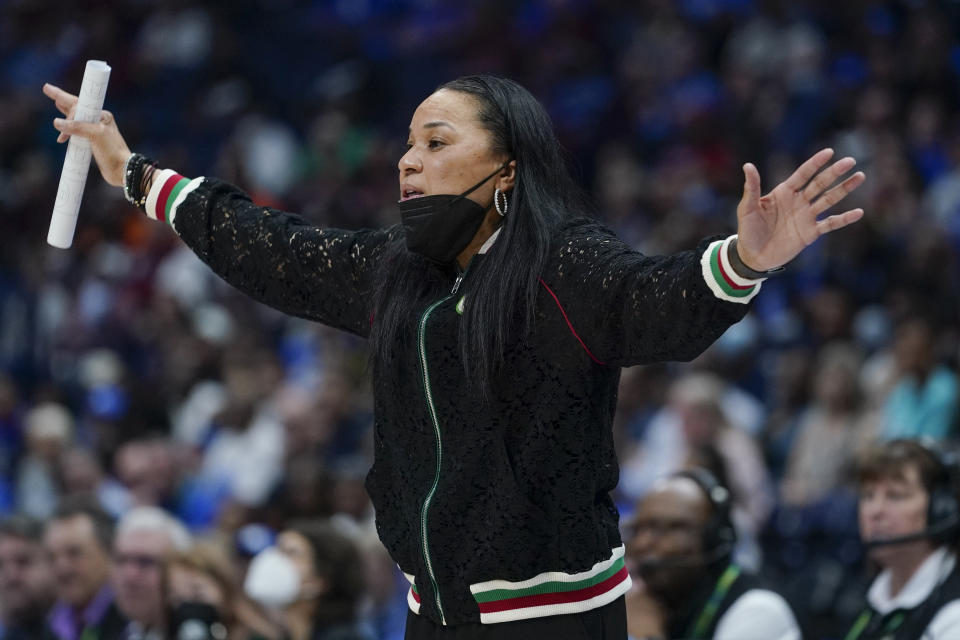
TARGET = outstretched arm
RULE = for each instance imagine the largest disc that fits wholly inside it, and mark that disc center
(275, 257)
(633, 309)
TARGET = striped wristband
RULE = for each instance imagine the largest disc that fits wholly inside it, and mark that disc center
(168, 191)
(720, 277)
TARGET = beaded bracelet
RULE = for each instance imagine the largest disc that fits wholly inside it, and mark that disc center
(126, 178)
(138, 173)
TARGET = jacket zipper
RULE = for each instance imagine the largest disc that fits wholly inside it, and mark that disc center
(436, 431)
(421, 347)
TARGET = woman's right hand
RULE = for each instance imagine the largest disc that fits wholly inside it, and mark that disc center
(109, 149)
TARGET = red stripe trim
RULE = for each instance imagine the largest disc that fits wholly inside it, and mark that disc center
(416, 596)
(734, 285)
(561, 597)
(164, 194)
(572, 330)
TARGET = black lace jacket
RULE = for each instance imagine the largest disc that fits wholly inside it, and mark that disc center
(496, 510)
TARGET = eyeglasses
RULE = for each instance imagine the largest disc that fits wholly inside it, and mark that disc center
(139, 560)
(661, 528)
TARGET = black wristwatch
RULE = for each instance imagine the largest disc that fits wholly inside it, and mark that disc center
(744, 271)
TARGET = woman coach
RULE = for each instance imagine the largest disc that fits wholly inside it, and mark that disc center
(499, 316)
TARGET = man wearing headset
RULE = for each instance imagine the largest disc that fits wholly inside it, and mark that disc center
(686, 586)
(909, 523)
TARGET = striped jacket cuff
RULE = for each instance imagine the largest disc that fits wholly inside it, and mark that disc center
(721, 278)
(413, 596)
(168, 192)
(553, 593)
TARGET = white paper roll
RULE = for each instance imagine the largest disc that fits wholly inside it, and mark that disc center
(76, 164)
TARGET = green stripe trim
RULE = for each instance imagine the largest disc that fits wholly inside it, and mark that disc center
(177, 188)
(858, 626)
(555, 586)
(715, 270)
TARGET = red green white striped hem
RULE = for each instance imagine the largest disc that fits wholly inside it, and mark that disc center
(720, 277)
(168, 192)
(413, 598)
(554, 592)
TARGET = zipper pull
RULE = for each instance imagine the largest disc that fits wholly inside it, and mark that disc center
(456, 285)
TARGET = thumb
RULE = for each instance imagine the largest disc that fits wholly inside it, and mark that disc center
(751, 184)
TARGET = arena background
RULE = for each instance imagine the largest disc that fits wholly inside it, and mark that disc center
(159, 384)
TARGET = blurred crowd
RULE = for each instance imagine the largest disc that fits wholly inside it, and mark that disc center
(128, 372)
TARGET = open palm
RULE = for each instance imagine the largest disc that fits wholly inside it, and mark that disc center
(774, 228)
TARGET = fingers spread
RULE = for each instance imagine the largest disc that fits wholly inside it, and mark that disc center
(827, 177)
(838, 193)
(807, 170)
(838, 221)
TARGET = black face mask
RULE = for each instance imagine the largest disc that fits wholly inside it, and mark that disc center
(440, 227)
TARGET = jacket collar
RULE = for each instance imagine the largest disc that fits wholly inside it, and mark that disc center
(921, 584)
(489, 243)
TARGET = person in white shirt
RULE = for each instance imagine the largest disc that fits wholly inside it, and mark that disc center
(679, 552)
(909, 521)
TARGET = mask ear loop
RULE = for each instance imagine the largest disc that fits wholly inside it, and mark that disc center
(497, 194)
(482, 182)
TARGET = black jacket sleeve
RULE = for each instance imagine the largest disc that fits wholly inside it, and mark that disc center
(280, 259)
(629, 308)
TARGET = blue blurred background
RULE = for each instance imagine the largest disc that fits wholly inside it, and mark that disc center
(129, 370)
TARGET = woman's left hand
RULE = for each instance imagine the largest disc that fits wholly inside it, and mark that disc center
(774, 228)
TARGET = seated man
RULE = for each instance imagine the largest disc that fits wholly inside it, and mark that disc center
(78, 538)
(26, 580)
(144, 538)
(680, 551)
(909, 522)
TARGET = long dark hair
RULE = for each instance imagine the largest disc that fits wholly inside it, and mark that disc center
(503, 287)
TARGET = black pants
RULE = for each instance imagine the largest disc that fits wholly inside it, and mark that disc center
(606, 623)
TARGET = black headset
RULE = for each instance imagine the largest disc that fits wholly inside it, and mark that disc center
(719, 533)
(943, 509)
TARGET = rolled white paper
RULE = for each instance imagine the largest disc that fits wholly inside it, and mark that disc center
(76, 164)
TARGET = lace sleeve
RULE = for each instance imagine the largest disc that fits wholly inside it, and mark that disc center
(275, 257)
(630, 309)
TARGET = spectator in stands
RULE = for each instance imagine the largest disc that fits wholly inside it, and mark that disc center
(909, 520)
(145, 537)
(26, 581)
(831, 431)
(923, 402)
(202, 592)
(49, 432)
(79, 537)
(324, 603)
(679, 548)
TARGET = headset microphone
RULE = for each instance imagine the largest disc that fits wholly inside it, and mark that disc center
(943, 510)
(923, 534)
